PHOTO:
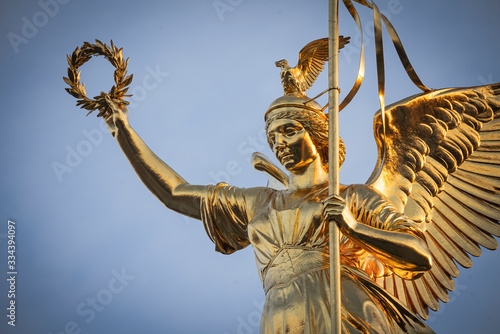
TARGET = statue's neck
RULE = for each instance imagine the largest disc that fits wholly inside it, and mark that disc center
(312, 175)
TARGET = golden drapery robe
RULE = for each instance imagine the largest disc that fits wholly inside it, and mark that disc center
(291, 251)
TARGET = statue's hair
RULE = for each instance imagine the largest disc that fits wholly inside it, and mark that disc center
(317, 127)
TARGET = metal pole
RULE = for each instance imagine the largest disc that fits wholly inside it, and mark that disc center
(333, 174)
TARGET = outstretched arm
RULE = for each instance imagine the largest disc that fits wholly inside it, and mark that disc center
(168, 186)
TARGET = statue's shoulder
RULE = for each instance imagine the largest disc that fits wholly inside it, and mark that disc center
(356, 189)
(360, 192)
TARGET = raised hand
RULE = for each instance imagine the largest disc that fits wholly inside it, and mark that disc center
(119, 117)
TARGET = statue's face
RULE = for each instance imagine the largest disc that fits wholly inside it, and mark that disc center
(291, 144)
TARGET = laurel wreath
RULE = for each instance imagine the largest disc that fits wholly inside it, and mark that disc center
(77, 89)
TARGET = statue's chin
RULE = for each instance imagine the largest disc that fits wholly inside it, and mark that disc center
(294, 168)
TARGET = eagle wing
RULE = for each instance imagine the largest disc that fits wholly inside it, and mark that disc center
(312, 59)
(440, 165)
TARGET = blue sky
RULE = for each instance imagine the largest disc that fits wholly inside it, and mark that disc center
(96, 252)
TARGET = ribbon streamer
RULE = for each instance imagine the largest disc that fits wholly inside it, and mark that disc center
(379, 53)
(398, 45)
(399, 48)
(361, 68)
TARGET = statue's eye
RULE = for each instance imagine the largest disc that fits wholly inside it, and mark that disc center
(290, 132)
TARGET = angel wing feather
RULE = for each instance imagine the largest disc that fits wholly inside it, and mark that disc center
(440, 165)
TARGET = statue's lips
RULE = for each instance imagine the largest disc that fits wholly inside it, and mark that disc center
(285, 156)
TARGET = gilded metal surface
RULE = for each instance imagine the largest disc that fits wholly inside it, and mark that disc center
(361, 67)
(77, 89)
(334, 167)
(311, 62)
(394, 37)
(276, 176)
(441, 169)
(432, 200)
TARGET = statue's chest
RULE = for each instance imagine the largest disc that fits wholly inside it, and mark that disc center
(287, 221)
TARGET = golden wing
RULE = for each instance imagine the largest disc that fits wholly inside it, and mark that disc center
(312, 59)
(278, 179)
(441, 167)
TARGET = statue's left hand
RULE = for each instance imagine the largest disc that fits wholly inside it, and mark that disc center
(117, 119)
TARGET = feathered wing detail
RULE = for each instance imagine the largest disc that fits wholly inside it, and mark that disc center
(441, 167)
(312, 59)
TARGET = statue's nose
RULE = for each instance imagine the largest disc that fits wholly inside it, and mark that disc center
(279, 143)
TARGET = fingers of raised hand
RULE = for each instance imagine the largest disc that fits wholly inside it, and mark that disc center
(118, 110)
(119, 113)
(112, 105)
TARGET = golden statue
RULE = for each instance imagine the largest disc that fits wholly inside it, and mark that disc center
(432, 200)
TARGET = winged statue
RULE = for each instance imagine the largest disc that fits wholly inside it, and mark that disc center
(439, 164)
(433, 199)
(311, 62)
